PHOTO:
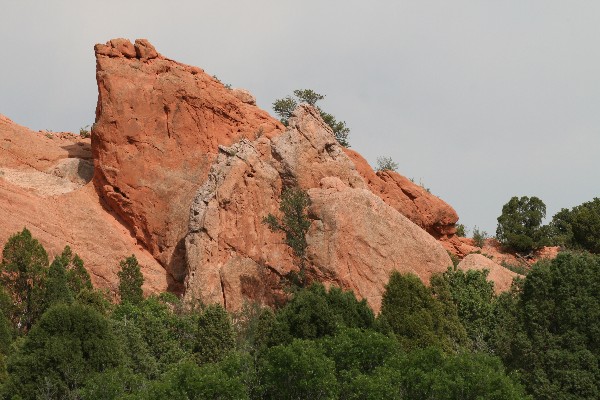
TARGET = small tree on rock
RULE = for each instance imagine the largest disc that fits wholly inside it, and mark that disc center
(294, 222)
(130, 281)
(285, 107)
(386, 164)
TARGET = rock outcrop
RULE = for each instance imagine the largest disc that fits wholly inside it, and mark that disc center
(184, 171)
(355, 240)
(414, 202)
(44, 186)
(501, 276)
(158, 126)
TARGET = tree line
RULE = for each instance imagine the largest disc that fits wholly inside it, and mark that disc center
(60, 338)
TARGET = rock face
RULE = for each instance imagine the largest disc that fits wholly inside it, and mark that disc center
(501, 276)
(414, 202)
(355, 240)
(158, 126)
(44, 187)
(184, 171)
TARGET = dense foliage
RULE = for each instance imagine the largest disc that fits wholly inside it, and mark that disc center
(453, 339)
(579, 228)
(285, 107)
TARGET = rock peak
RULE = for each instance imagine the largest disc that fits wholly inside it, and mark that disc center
(142, 49)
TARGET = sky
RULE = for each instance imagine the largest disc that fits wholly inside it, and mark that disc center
(477, 100)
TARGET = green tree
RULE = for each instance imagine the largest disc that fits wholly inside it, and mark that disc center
(188, 381)
(358, 351)
(57, 287)
(215, 337)
(77, 276)
(479, 237)
(461, 230)
(314, 312)
(417, 318)
(68, 345)
(557, 344)
(113, 384)
(520, 224)
(24, 262)
(431, 373)
(285, 107)
(299, 370)
(130, 281)
(294, 222)
(65, 278)
(579, 228)
(139, 357)
(154, 336)
(473, 296)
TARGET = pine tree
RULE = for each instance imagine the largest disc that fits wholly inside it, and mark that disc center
(215, 335)
(24, 262)
(130, 281)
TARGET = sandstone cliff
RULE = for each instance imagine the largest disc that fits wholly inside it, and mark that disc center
(185, 169)
(43, 186)
(355, 239)
(158, 125)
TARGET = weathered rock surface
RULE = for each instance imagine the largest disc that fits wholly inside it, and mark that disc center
(414, 202)
(355, 240)
(158, 126)
(501, 276)
(43, 186)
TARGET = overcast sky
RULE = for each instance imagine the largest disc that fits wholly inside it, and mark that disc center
(478, 100)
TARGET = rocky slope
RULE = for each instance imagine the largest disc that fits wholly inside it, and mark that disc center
(184, 171)
(43, 186)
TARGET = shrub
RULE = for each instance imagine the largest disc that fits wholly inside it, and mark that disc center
(299, 370)
(479, 237)
(215, 335)
(68, 345)
(294, 222)
(461, 230)
(556, 345)
(285, 107)
(386, 164)
(84, 132)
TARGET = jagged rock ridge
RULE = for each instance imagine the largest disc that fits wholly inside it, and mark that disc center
(355, 239)
(161, 127)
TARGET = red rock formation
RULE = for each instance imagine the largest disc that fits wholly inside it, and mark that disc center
(355, 239)
(501, 276)
(43, 187)
(414, 202)
(161, 126)
(158, 126)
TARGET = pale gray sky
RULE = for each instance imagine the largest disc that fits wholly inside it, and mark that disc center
(479, 100)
